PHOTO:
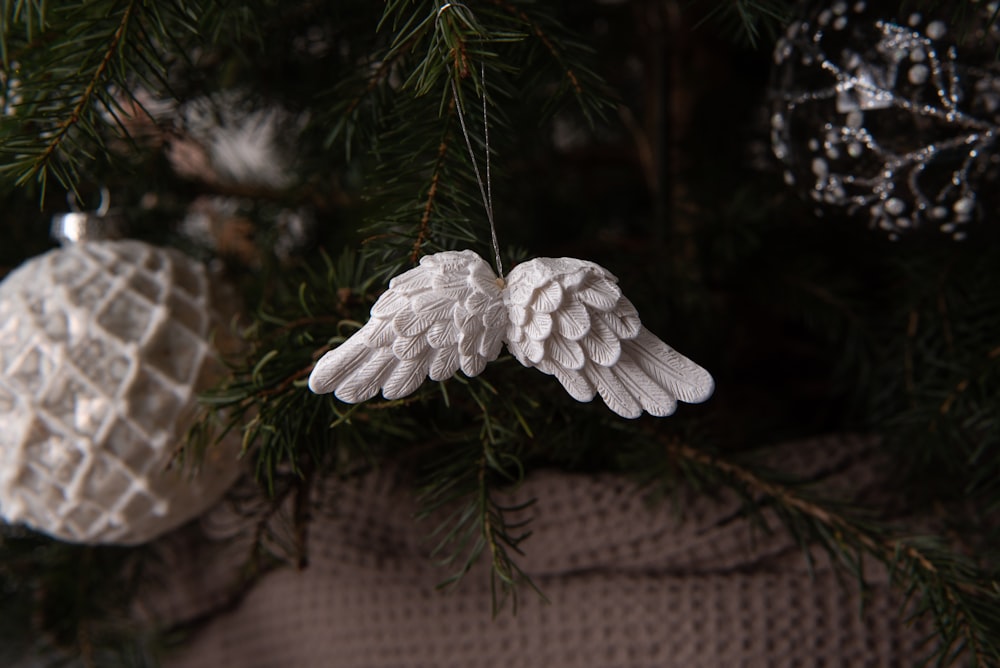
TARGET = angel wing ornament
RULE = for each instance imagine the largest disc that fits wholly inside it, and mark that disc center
(564, 316)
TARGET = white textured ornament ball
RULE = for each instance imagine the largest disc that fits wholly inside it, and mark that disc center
(891, 116)
(103, 345)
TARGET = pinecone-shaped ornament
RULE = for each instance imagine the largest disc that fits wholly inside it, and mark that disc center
(103, 346)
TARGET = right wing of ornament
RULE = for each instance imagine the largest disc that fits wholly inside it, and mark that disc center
(569, 319)
(444, 315)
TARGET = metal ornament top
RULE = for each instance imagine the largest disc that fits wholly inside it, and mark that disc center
(76, 226)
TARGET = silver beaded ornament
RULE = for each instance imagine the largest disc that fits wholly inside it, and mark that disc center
(890, 118)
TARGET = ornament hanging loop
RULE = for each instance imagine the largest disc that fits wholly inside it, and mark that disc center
(464, 13)
(446, 6)
(76, 226)
(485, 186)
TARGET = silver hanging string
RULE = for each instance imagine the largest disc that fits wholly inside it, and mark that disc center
(489, 179)
(485, 188)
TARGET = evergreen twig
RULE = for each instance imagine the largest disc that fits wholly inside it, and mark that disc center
(750, 21)
(463, 484)
(42, 163)
(962, 600)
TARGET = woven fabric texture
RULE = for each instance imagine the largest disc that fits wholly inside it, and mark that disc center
(628, 584)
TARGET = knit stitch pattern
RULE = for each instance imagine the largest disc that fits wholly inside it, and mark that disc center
(628, 583)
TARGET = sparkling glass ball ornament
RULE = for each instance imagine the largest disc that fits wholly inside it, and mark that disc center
(893, 118)
(103, 345)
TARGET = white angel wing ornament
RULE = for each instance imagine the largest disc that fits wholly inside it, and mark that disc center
(564, 316)
(444, 315)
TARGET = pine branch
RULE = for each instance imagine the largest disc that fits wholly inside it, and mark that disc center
(748, 21)
(472, 438)
(42, 163)
(502, 537)
(425, 218)
(927, 343)
(64, 604)
(463, 483)
(432, 163)
(64, 97)
(588, 89)
(284, 424)
(962, 600)
(78, 68)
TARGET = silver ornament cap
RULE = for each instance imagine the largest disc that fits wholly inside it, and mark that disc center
(75, 226)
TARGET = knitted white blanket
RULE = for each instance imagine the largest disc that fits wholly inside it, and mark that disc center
(685, 584)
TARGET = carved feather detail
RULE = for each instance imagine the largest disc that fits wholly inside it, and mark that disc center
(564, 316)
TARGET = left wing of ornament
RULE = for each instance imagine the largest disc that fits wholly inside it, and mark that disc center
(444, 315)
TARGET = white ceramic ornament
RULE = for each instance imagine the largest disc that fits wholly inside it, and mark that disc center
(564, 316)
(103, 345)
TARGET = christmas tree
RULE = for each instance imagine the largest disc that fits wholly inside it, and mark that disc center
(799, 200)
